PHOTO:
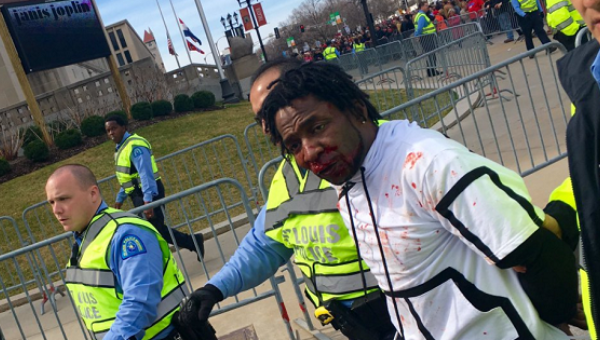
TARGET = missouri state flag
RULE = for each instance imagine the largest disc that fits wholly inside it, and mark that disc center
(190, 38)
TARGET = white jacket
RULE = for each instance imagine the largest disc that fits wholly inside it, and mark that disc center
(445, 216)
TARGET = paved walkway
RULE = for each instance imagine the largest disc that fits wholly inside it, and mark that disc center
(494, 122)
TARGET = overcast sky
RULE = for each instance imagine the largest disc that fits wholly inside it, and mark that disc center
(144, 14)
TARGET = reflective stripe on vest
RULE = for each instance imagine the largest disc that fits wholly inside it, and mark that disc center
(429, 28)
(528, 5)
(302, 214)
(94, 287)
(123, 167)
(563, 17)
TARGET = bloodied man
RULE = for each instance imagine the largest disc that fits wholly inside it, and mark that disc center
(439, 226)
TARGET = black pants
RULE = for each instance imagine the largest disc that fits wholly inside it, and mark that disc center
(158, 221)
(428, 43)
(569, 41)
(532, 21)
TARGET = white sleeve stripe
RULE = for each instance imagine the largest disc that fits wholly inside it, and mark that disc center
(460, 186)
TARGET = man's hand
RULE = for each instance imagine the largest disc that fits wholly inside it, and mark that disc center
(196, 308)
(149, 213)
(118, 205)
(497, 6)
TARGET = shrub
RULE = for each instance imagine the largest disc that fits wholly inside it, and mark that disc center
(141, 111)
(203, 99)
(161, 108)
(4, 167)
(68, 139)
(37, 151)
(183, 103)
(92, 126)
(119, 113)
(32, 133)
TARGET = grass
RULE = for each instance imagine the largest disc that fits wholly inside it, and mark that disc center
(183, 171)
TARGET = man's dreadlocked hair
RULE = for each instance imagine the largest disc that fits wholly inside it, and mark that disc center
(326, 82)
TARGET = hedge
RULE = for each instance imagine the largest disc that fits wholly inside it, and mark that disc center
(161, 108)
(141, 111)
(203, 99)
(93, 126)
(4, 167)
(183, 103)
(37, 151)
(68, 139)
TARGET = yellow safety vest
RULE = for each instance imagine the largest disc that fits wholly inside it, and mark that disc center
(94, 286)
(563, 17)
(302, 214)
(329, 53)
(429, 28)
(528, 5)
(359, 47)
(127, 174)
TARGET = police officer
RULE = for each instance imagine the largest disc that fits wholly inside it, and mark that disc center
(330, 51)
(530, 17)
(138, 176)
(563, 17)
(121, 275)
(425, 29)
(323, 248)
(358, 49)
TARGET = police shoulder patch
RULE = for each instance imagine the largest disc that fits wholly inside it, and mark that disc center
(131, 246)
(137, 152)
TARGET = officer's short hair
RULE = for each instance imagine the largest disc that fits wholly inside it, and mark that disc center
(83, 175)
(422, 3)
(281, 63)
(117, 119)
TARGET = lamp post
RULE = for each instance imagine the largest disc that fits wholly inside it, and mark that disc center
(229, 23)
(226, 90)
(248, 3)
(369, 23)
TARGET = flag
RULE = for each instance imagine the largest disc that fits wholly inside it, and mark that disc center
(188, 33)
(245, 14)
(193, 47)
(261, 20)
(170, 44)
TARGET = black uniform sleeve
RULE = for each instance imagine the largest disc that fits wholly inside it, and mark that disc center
(551, 277)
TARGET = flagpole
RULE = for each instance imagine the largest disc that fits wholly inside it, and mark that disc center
(168, 35)
(187, 50)
(226, 90)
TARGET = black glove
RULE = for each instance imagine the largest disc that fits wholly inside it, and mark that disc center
(201, 330)
(198, 305)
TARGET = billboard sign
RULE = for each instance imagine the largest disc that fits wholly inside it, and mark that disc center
(54, 34)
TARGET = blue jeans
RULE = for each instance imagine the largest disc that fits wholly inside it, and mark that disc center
(505, 25)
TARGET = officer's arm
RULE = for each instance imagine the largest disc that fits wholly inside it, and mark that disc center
(256, 259)
(142, 160)
(489, 208)
(517, 6)
(136, 261)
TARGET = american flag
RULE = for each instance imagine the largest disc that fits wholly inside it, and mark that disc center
(170, 44)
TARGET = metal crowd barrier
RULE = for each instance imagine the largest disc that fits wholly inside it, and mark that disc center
(260, 148)
(63, 322)
(584, 32)
(523, 131)
(450, 62)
